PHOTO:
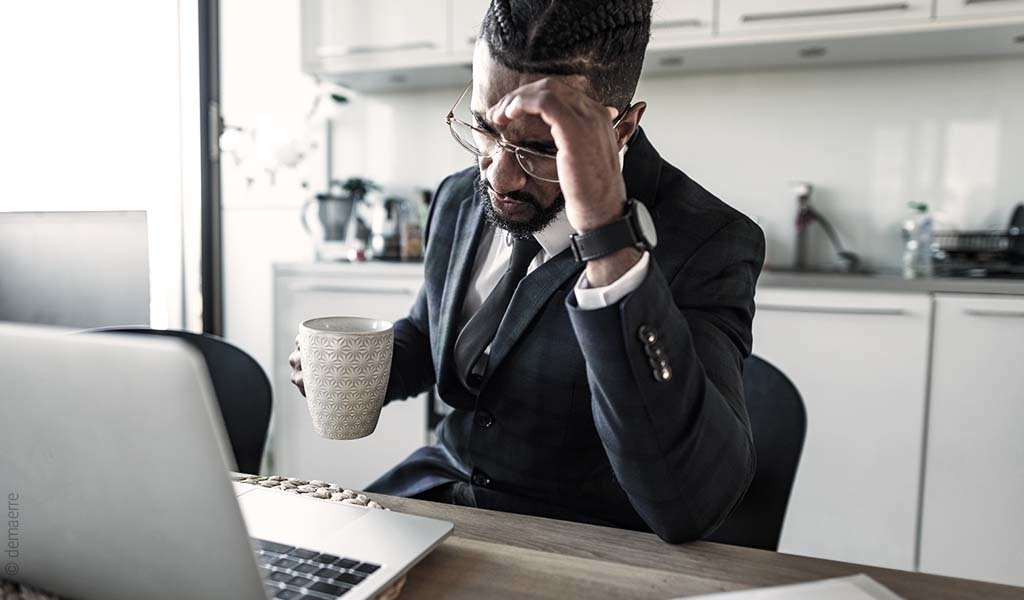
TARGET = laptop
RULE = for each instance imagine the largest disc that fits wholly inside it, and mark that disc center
(115, 467)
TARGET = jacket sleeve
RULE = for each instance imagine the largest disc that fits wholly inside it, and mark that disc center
(412, 369)
(665, 368)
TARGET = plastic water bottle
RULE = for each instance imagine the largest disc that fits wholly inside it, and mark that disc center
(918, 237)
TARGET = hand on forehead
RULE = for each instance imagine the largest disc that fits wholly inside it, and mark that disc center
(492, 81)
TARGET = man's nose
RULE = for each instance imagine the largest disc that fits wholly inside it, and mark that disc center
(504, 172)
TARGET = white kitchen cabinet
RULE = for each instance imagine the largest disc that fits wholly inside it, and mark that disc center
(860, 362)
(354, 35)
(757, 16)
(973, 508)
(977, 8)
(676, 21)
(393, 46)
(466, 17)
(384, 291)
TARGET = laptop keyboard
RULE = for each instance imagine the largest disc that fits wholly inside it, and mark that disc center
(290, 572)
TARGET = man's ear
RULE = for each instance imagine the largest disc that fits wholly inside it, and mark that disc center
(629, 123)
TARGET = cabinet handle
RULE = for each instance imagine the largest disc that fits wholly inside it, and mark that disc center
(833, 310)
(985, 312)
(350, 289)
(969, 2)
(678, 24)
(826, 12)
(354, 50)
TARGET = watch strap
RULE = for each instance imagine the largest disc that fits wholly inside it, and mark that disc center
(605, 240)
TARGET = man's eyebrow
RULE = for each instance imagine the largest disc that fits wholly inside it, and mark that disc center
(539, 146)
(544, 147)
(482, 121)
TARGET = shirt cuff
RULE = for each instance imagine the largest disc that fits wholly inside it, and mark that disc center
(590, 298)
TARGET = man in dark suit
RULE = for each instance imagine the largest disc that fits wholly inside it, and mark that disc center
(585, 318)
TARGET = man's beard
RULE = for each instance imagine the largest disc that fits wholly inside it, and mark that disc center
(542, 217)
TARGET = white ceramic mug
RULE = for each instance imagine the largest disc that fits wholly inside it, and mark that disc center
(346, 362)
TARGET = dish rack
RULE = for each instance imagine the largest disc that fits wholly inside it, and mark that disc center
(1005, 245)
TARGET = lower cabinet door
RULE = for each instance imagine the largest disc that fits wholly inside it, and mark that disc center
(973, 510)
(295, 449)
(860, 362)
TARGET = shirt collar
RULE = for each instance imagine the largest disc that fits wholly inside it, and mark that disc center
(555, 238)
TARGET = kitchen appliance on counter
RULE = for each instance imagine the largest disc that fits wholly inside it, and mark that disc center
(337, 230)
(994, 253)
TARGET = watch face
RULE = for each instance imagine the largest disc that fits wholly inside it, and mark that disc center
(646, 223)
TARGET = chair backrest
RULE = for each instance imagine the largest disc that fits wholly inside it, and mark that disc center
(779, 423)
(242, 388)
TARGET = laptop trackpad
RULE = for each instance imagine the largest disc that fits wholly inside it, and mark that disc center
(292, 519)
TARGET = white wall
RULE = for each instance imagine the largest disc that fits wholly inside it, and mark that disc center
(870, 138)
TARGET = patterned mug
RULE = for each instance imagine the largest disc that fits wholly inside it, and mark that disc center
(346, 362)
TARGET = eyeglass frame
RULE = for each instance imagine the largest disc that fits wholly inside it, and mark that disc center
(502, 144)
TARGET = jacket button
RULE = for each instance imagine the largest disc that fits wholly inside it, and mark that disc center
(662, 373)
(657, 363)
(484, 419)
(647, 334)
(481, 479)
(655, 352)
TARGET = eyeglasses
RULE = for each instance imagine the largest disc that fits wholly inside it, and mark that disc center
(485, 144)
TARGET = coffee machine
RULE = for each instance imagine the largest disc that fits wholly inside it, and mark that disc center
(330, 219)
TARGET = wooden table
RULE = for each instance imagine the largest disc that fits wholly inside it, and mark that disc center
(499, 555)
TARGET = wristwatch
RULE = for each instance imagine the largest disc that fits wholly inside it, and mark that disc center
(635, 228)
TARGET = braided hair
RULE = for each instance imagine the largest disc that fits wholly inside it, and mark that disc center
(603, 40)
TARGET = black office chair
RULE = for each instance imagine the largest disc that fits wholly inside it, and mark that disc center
(779, 422)
(242, 389)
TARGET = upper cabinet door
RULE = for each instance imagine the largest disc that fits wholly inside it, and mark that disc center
(467, 15)
(680, 20)
(740, 16)
(355, 33)
(978, 8)
(972, 524)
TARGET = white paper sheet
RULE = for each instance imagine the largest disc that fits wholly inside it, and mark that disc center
(857, 587)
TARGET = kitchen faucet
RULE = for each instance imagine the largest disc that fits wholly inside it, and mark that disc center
(807, 216)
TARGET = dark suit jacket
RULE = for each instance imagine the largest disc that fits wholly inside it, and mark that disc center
(573, 420)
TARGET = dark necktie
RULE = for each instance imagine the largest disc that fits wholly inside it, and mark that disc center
(479, 331)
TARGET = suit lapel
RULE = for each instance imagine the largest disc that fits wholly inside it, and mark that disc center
(467, 235)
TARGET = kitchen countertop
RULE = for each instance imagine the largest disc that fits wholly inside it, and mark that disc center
(770, 278)
(889, 283)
